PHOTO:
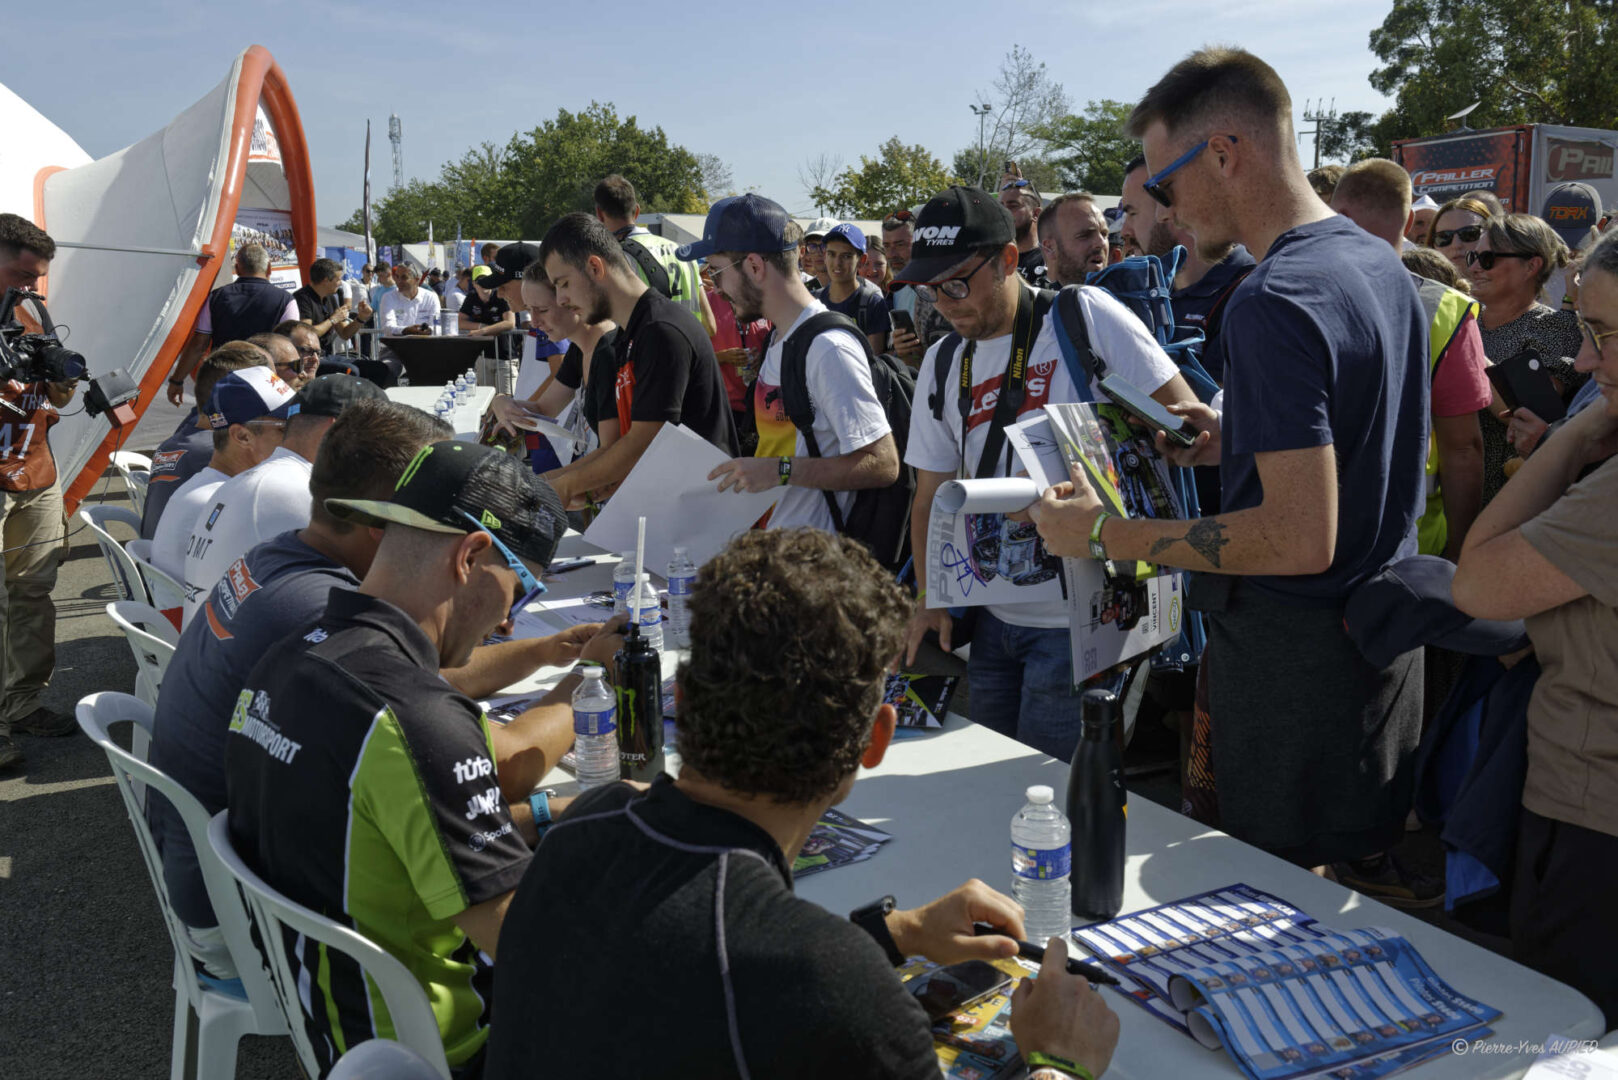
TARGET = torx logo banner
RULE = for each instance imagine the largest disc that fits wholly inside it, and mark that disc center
(1570, 159)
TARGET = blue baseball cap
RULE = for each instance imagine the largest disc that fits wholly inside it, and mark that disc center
(254, 393)
(749, 223)
(849, 234)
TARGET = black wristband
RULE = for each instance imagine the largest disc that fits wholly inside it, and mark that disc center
(872, 918)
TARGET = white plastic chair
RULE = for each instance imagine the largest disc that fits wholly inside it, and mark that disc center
(168, 595)
(382, 1059)
(152, 638)
(208, 1022)
(136, 469)
(125, 575)
(413, 1021)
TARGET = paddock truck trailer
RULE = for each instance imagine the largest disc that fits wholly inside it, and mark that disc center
(1519, 164)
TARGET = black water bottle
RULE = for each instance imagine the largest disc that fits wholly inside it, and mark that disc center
(1096, 808)
(639, 680)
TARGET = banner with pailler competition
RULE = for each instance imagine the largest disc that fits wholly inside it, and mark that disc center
(1470, 161)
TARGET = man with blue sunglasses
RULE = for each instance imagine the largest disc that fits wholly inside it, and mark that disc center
(363, 785)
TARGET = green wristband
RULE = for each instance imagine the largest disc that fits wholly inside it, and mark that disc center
(1037, 1060)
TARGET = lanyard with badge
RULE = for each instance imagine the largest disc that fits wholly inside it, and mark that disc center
(1012, 390)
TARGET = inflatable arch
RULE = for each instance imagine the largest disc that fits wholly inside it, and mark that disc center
(144, 234)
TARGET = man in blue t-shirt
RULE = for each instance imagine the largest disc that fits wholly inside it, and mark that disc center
(1321, 448)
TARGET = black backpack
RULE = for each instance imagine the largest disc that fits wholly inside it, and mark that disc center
(656, 274)
(879, 517)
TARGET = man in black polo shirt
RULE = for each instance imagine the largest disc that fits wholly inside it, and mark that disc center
(657, 933)
(320, 306)
(484, 313)
(364, 786)
(667, 371)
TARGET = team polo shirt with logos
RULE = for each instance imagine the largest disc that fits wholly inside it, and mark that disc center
(362, 785)
(279, 586)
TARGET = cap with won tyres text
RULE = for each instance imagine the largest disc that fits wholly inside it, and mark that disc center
(249, 394)
(1573, 209)
(749, 223)
(509, 263)
(329, 395)
(952, 225)
(449, 478)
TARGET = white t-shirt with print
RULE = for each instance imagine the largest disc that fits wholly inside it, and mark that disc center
(848, 416)
(174, 527)
(1117, 337)
(246, 510)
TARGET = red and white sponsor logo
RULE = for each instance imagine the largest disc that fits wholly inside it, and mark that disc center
(986, 394)
(1566, 159)
(1434, 177)
(165, 461)
(238, 585)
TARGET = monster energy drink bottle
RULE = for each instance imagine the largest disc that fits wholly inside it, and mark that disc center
(640, 707)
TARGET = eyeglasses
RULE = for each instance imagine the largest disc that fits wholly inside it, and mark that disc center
(716, 270)
(1594, 338)
(956, 288)
(273, 425)
(1487, 259)
(1155, 185)
(306, 351)
(533, 588)
(1467, 234)
(813, 245)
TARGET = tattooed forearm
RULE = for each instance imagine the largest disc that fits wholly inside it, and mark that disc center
(1206, 537)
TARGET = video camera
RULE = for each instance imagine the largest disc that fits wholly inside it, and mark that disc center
(43, 358)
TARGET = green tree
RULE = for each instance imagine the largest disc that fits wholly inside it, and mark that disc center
(539, 175)
(1524, 61)
(1043, 171)
(1023, 100)
(901, 176)
(1348, 138)
(1090, 149)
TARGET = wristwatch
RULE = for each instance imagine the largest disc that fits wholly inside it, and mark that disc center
(785, 470)
(540, 803)
(872, 918)
(1098, 550)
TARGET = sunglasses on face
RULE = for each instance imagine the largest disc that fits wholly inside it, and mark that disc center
(956, 288)
(1487, 259)
(1157, 186)
(532, 587)
(1466, 234)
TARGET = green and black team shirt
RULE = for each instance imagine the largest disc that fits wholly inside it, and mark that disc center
(363, 786)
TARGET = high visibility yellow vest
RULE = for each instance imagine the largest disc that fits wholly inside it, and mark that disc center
(1447, 310)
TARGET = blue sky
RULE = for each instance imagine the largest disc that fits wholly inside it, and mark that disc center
(763, 85)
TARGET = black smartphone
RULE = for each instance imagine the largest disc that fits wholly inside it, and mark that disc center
(953, 988)
(903, 321)
(1145, 408)
(1522, 381)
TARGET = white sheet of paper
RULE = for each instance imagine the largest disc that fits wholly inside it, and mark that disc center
(670, 486)
(549, 428)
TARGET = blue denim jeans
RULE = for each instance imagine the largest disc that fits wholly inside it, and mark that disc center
(1021, 680)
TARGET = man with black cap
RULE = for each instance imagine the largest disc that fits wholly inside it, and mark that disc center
(364, 786)
(751, 247)
(667, 371)
(964, 259)
(272, 496)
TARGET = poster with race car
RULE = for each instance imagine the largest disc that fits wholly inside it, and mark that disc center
(1116, 611)
(977, 559)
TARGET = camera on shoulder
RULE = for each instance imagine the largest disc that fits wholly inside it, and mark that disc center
(41, 357)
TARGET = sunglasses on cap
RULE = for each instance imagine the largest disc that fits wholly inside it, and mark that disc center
(1013, 184)
(1157, 186)
(896, 219)
(1487, 259)
(532, 587)
(1467, 234)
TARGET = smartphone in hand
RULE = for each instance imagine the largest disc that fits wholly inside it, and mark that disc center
(1147, 409)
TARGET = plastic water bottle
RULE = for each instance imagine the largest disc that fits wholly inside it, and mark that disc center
(595, 730)
(450, 321)
(623, 579)
(1041, 859)
(648, 612)
(682, 575)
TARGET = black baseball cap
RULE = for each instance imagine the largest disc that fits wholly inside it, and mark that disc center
(952, 224)
(1409, 604)
(749, 223)
(329, 395)
(509, 263)
(450, 479)
(1573, 210)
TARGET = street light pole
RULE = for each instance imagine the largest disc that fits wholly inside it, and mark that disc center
(982, 113)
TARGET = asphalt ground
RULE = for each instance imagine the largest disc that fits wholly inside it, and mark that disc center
(87, 963)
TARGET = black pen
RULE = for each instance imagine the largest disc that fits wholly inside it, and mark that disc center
(1029, 951)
